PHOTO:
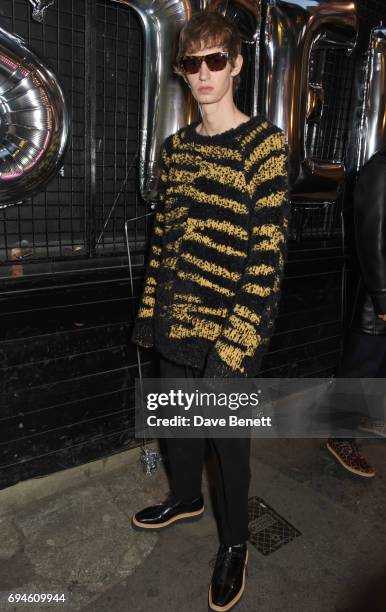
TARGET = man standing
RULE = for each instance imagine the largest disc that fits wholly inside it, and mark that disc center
(213, 279)
(365, 350)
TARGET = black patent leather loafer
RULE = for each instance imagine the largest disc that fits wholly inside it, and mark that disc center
(168, 512)
(228, 580)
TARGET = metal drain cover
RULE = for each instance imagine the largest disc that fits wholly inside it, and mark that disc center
(268, 531)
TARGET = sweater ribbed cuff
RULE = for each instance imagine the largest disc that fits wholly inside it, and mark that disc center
(142, 333)
(215, 367)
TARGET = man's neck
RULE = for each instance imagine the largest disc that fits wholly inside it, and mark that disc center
(214, 122)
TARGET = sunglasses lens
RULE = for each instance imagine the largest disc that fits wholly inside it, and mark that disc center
(216, 61)
(191, 65)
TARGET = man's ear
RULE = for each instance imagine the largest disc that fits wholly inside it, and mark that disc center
(238, 62)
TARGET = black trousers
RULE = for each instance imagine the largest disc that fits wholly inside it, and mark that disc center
(364, 356)
(231, 460)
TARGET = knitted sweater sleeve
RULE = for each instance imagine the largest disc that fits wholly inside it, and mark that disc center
(238, 350)
(143, 329)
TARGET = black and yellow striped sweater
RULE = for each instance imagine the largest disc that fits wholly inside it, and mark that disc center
(218, 248)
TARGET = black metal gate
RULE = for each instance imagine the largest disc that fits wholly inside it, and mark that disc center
(67, 367)
(94, 48)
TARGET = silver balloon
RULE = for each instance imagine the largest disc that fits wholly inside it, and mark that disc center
(34, 122)
(167, 103)
(247, 15)
(372, 133)
(293, 30)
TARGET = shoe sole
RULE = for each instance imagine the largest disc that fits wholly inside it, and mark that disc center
(375, 432)
(237, 597)
(347, 467)
(186, 517)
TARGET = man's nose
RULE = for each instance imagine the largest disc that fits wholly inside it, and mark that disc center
(204, 70)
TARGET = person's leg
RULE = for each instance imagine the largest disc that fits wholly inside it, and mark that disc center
(186, 462)
(360, 359)
(185, 455)
(364, 357)
(185, 458)
(374, 353)
(232, 459)
(233, 476)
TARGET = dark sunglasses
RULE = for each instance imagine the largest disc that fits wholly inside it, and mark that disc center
(191, 64)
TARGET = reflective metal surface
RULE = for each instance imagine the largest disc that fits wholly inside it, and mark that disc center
(167, 104)
(167, 101)
(247, 15)
(372, 134)
(34, 123)
(292, 30)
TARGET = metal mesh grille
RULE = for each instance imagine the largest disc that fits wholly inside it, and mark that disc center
(328, 138)
(94, 50)
(52, 223)
(316, 221)
(333, 69)
(118, 94)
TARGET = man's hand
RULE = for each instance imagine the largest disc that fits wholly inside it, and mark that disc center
(383, 317)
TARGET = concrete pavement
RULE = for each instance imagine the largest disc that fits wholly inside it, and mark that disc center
(70, 532)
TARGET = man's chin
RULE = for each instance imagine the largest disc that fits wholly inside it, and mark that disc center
(206, 99)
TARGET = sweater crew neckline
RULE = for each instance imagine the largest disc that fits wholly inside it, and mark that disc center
(221, 137)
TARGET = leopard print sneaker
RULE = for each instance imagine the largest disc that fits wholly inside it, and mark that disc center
(348, 455)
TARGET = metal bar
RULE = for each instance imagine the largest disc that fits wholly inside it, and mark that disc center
(90, 125)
